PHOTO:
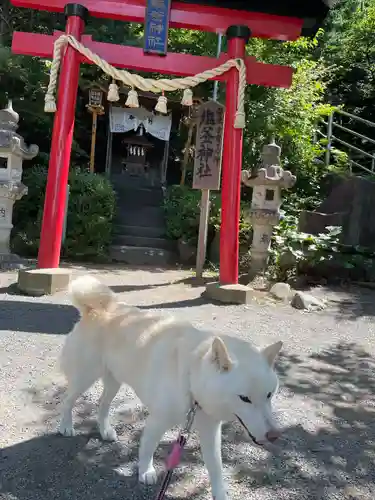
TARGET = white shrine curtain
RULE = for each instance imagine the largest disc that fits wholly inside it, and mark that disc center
(123, 120)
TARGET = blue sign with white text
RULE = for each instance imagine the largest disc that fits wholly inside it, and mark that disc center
(156, 26)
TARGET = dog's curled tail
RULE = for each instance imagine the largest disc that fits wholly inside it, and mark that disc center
(93, 299)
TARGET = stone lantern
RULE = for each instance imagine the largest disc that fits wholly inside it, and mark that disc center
(264, 214)
(12, 153)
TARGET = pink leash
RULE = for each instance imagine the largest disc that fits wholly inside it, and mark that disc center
(174, 456)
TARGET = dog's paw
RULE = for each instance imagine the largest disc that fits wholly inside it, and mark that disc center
(108, 434)
(221, 496)
(66, 430)
(148, 477)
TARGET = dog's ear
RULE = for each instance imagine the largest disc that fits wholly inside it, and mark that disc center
(271, 352)
(220, 355)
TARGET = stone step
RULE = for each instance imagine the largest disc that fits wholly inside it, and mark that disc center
(139, 197)
(144, 241)
(131, 182)
(144, 216)
(142, 256)
(144, 231)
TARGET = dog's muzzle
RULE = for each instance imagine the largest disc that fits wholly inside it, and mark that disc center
(271, 436)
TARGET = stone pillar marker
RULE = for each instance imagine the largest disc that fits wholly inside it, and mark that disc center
(264, 213)
(13, 151)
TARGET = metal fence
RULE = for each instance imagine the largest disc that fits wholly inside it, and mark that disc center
(339, 134)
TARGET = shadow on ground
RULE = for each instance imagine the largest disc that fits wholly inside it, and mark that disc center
(84, 467)
(354, 302)
(37, 317)
(330, 458)
(348, 301)
(59, 319)
(189, 280)
(333, 458)
(178, 304)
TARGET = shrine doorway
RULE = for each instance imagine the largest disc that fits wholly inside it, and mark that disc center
(137, 158)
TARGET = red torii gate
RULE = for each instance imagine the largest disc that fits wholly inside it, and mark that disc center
(238, 25)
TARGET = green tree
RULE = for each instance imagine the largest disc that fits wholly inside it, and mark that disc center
(349, 52)
(290, 116)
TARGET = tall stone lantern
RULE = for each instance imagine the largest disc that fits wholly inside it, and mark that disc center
(267, 183)
(12, 153)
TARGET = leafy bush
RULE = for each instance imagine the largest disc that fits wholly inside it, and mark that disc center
(182, 209)
(90, 212)
(291, 248)
(295, 252)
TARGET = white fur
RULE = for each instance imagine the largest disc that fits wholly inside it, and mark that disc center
(169, 364)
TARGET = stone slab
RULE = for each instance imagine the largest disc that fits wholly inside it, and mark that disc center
(229, 294)
(38, 282)
(11, 261)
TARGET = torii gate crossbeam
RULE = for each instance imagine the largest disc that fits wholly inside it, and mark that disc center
(188, 16)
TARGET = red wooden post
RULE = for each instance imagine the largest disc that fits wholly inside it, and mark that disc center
(62, 136)
(237, 37)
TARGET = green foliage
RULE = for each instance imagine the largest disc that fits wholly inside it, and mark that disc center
(293, 251)
(290, 116)
(340, 163)
(291, 248)
(182, 208)
(90, 212)
(349, 52)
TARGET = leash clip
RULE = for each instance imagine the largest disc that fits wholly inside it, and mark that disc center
(190, 419)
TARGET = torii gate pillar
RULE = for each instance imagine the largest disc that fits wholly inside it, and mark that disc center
(61, 145)
(237, 37)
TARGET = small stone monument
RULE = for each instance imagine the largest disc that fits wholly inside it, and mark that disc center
(267, 183)
(12, 153)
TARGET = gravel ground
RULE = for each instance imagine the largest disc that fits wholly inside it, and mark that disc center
(326, 400)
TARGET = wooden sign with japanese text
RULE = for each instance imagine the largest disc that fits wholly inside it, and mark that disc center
(157, 26)
(209, 146)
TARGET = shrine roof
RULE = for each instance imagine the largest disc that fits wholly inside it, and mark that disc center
(313, 12)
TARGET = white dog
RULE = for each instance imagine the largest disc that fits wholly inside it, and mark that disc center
(170, 365)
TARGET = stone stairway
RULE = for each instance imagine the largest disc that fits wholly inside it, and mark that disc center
(139, 230)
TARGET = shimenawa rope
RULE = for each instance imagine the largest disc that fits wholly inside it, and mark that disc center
(146, 84)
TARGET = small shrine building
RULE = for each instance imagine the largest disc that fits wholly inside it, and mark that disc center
(137, 149)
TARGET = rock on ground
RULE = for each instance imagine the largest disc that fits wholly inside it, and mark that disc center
(302, 300)
(281, 291)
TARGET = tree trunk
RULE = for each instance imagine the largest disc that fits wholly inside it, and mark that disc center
(4, 22)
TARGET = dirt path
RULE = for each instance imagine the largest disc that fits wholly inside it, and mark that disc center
(327, 400)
